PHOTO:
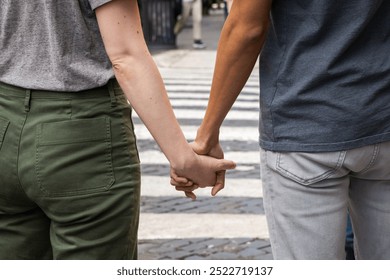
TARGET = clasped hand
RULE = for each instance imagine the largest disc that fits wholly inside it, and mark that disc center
(205, 169)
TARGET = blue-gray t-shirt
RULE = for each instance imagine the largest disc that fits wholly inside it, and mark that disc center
(325, 75)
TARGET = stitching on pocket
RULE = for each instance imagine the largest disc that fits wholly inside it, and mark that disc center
(3, 128)
(108, 160)
(69, 124)
(312, 180)
(110, 175)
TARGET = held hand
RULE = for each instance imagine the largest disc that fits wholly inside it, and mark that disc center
(201, 171)
(216, 152)
(183, 184)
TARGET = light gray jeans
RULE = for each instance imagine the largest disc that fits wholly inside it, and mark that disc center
(306, 197)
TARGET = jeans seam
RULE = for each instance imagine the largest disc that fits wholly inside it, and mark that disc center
(272, 221)
(373, 158)
(314, 179)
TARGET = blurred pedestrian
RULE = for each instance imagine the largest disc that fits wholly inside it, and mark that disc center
(69, 166)
(228, 4)
(194, 7)
(324, 124)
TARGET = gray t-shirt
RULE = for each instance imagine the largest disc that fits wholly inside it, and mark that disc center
(52, 45)
(325, 75)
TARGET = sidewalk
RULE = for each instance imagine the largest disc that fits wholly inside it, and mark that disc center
(231, 225)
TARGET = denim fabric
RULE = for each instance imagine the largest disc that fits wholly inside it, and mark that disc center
(349, 246)
(70, 175)
(307, 197)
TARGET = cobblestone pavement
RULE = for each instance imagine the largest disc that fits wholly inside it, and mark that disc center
(206, 249)
(227, 227)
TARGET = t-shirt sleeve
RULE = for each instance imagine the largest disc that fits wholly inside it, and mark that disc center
(97, 3)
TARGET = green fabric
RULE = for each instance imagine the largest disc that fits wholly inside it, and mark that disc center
(69, 175)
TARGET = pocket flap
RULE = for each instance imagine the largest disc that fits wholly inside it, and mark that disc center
(73, 131)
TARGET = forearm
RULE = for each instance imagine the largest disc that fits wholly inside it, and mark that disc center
(239, 47)
(142, 84)
(120, 27)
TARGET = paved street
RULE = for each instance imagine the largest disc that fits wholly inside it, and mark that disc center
(231, 225)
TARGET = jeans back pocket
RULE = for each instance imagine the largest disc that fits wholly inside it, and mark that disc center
(306, 168)
(73, 157)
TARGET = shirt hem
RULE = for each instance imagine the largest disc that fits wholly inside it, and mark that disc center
(97, 3)
(324, 147)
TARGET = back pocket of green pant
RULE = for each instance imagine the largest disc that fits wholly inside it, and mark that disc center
(3, 128)
(73, 157)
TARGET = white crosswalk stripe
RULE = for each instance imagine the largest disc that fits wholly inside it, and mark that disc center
(188, 90)
(203, 103)
(156, 157)
(189, 95)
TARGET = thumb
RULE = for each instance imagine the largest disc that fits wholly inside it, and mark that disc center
(196, 148)
(219, 184)
(224, 164)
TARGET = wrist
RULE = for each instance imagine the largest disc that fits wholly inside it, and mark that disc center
(206, 139)
(183, 157)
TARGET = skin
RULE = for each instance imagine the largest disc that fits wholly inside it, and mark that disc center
(240, 44)
(134, 68)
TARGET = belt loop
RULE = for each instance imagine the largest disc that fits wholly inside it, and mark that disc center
(112, 93)
(27, 100)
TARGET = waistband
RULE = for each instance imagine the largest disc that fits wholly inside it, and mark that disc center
(103, 91)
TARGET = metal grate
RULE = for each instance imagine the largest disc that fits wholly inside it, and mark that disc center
(158, 21)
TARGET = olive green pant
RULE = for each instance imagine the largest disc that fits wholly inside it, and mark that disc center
(69, 175)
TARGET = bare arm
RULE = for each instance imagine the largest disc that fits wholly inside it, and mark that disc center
(138, 76)
(240, 44)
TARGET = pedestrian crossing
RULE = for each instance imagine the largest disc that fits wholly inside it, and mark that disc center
(237, 212)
